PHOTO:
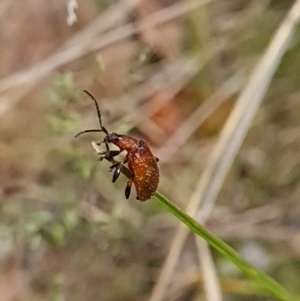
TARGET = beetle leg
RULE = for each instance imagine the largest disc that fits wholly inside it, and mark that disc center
(118, 166)
(108, 154)
(128, 188)
(156, 159)
(114, 166)
(117, 172)
(106, 145)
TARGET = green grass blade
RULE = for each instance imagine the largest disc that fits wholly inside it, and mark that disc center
(260, 278)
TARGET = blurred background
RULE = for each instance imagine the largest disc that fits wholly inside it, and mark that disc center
(169, 72)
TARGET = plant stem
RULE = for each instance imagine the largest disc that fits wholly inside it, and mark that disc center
(260, 278)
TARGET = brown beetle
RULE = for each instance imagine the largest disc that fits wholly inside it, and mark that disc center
(141, 162)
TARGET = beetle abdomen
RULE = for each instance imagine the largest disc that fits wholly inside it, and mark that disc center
(146, 178)
(145, 171)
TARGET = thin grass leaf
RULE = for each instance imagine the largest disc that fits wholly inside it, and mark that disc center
(259, 277)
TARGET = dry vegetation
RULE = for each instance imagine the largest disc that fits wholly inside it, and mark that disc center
(169, 72)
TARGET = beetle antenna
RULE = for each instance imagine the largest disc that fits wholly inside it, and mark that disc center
(88, 131)
(103, 129)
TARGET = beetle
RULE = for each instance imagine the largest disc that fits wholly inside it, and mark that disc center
(144, 172)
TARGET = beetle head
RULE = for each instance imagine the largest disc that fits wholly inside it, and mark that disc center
(112, 138)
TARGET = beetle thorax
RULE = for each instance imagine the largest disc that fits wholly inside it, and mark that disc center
(122, 141)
